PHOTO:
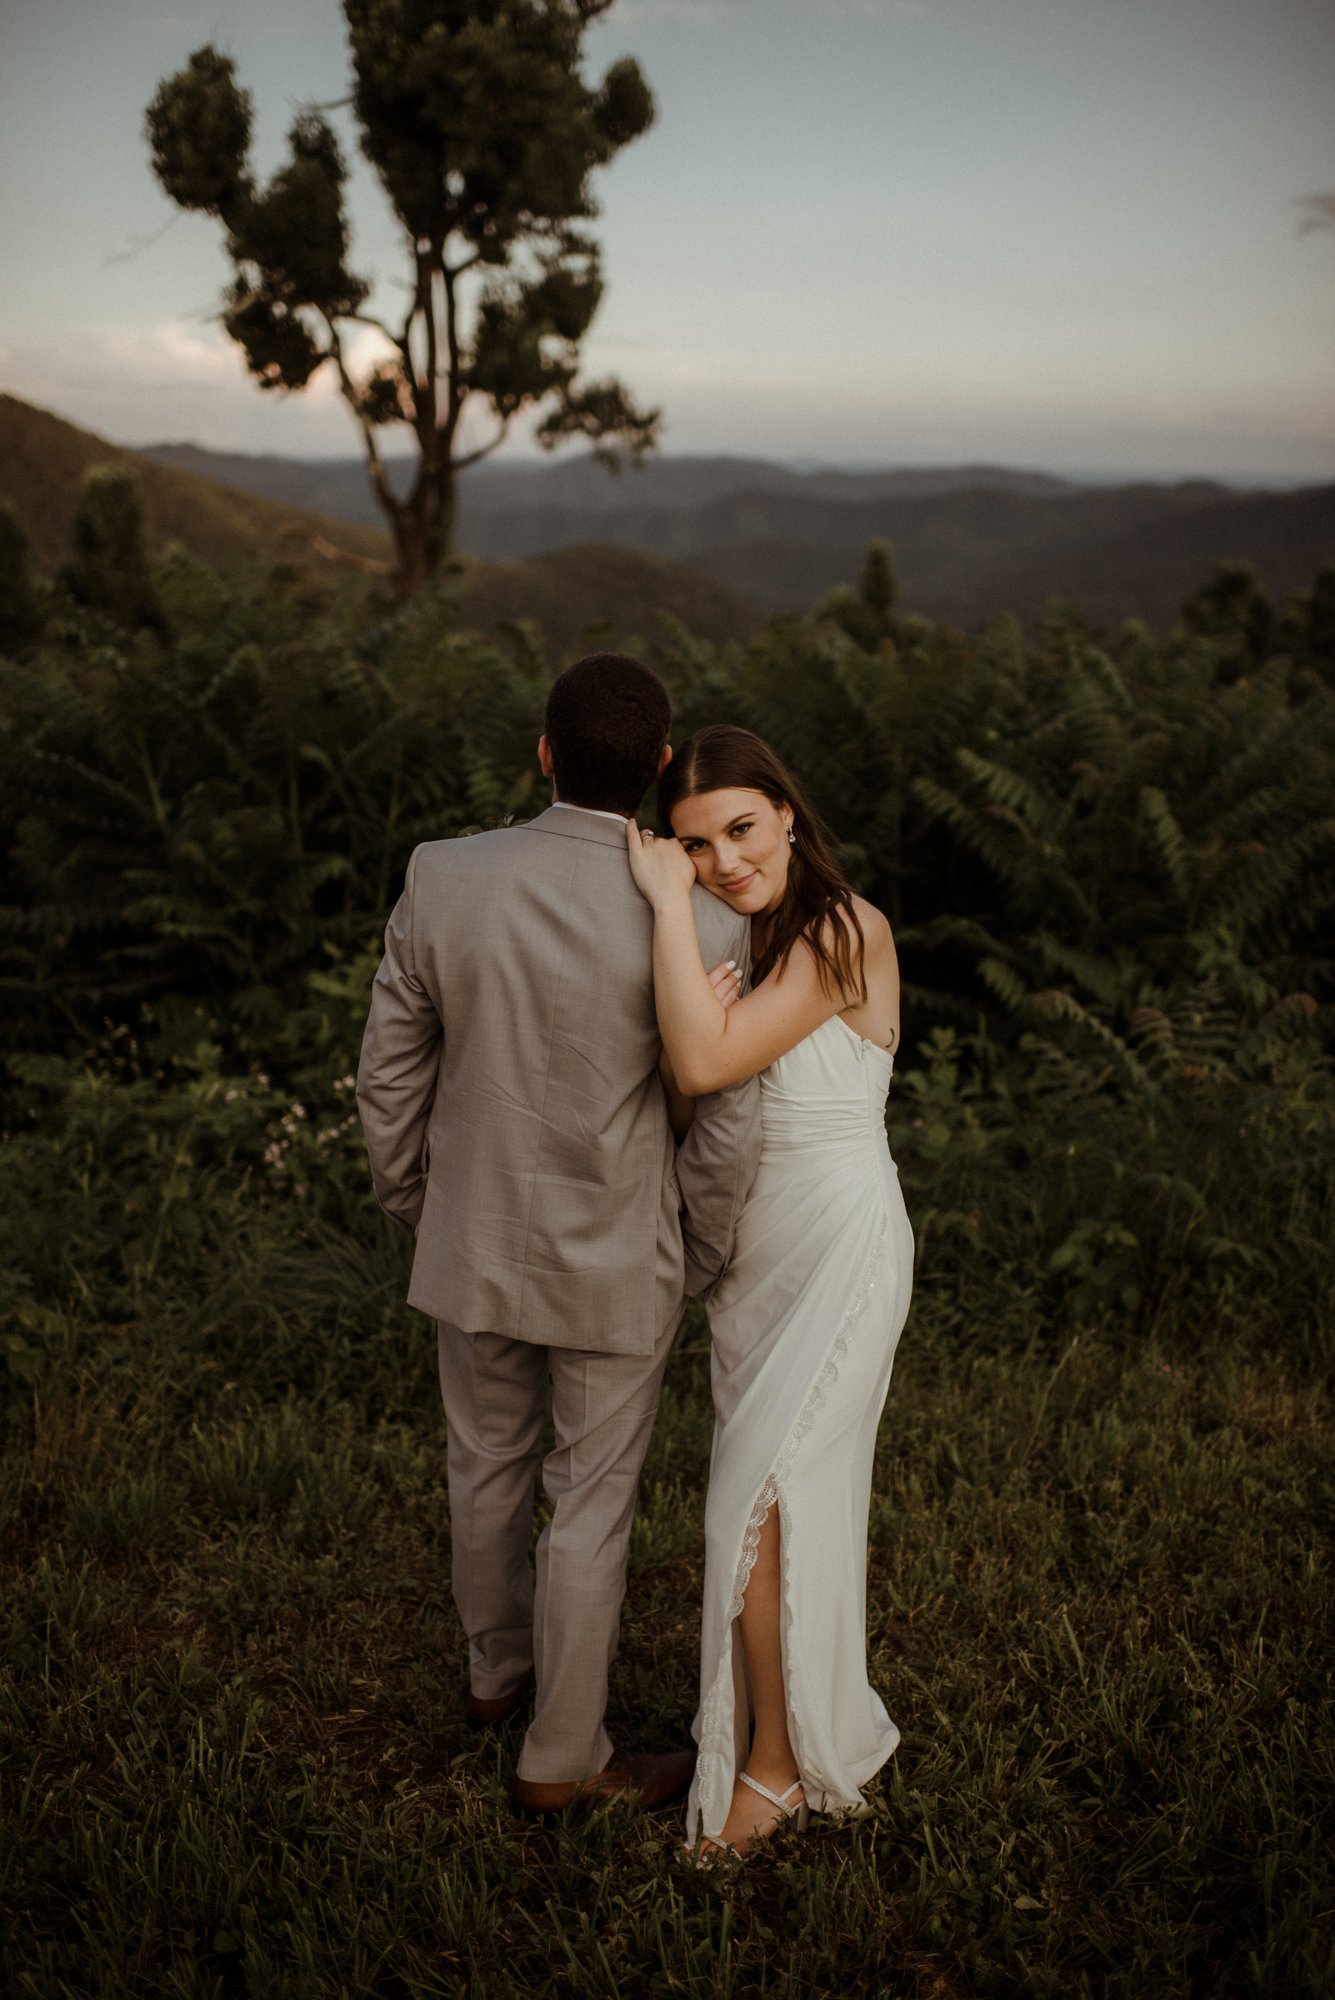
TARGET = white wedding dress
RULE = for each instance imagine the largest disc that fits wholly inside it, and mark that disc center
(805, 1321)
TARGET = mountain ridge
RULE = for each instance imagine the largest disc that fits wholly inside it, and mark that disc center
(687, 480)
(969, 540)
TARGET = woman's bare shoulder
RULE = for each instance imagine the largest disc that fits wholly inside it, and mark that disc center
(876, 1015)
(877, 937)
(875, 924)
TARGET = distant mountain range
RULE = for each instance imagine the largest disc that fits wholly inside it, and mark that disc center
(968, 540)
(714, 541)
(339, 486)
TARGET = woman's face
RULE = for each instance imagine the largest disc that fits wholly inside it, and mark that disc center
(738, 841)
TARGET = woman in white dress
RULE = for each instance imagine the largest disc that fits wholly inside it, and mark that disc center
(806, 1317)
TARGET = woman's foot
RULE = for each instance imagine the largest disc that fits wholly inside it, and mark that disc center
(760, 1803)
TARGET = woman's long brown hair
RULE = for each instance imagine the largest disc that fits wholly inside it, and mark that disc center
(818, 899)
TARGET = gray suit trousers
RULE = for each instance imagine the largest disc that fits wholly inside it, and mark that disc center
(564, 1621)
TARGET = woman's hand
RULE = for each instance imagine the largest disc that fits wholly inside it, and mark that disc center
(726, 983)
(662, 869)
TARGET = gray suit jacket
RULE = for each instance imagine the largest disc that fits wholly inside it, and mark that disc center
(510, 1098)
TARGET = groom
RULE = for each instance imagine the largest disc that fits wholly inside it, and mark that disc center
(514, 1117)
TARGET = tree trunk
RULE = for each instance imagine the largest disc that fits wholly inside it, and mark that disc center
(424, 529)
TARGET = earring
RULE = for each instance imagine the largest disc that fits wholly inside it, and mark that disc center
(792, 837)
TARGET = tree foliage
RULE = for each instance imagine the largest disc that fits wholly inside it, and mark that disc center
(109, 570)
(867, 615)
(483, 133)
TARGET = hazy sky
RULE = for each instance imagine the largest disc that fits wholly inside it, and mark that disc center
(1056, 233)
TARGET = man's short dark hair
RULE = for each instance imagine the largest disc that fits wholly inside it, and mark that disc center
(607, 721)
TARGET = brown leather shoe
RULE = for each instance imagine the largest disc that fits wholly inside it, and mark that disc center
(485, 1711)
(649, 1780)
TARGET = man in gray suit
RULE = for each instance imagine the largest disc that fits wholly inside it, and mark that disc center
(514, 1116)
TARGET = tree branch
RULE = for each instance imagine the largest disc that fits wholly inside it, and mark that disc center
(139, 243)
(383, 491)
(426, 289)
(483, 451)
(456, 390)
(424, 389)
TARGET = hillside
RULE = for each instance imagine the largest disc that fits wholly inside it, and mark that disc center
(576, 596)
(43, 460)
(969, 540)
(589, 594)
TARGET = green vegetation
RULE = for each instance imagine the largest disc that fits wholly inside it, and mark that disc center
(483, 135)
(1100, 1606)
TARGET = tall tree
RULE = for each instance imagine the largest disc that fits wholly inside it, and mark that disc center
(477, 120)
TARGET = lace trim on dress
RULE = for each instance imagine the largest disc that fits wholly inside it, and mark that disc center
(712, 1728)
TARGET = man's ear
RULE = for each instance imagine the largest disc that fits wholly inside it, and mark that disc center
(545, 764)
(663, 761)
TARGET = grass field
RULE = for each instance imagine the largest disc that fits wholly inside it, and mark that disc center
(234, 1760)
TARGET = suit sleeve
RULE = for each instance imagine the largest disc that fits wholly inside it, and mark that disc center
(719, 1155)
(396, 1076)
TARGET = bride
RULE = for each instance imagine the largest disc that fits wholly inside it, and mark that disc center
(806, 1317)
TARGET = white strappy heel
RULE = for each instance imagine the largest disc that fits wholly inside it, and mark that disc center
(801, 1812)
(700, 1856)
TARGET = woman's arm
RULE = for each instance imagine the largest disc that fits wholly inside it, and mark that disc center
(710, 1046)
(726, 988)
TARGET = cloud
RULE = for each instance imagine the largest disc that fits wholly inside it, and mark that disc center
(168, 379)
(167, 353)
(170, 351)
